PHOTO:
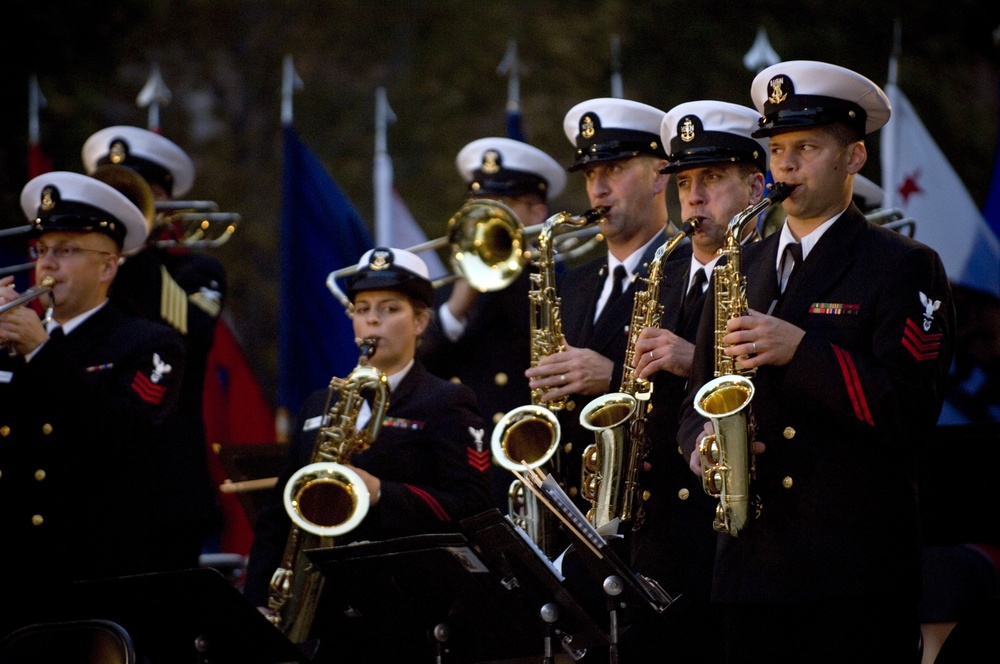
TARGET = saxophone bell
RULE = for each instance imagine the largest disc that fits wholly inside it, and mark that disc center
(727, 459)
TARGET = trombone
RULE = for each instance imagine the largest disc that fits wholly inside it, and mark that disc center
(200, 223)
(487, 242)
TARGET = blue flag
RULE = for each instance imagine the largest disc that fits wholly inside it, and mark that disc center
(320, 232)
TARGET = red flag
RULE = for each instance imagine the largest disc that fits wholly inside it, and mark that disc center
(235, 412)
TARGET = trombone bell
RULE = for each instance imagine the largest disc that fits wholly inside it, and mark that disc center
(487, 244)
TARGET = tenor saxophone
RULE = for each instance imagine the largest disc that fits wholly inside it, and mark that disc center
(727, 459)
(325, 498)
(611, 464)
(527, 437)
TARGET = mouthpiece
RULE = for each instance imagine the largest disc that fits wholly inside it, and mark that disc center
(594, 215)
(779, 191)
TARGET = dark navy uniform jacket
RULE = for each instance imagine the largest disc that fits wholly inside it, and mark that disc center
(431, 458)
(83, 431)
(843, 421)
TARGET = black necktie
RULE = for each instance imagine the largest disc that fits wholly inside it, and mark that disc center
(794, 251)
(691, 308)
(616, 289)
(696, 290)
(57, 333)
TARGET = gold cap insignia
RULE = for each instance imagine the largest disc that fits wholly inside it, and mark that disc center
(381, 259)
(587, 127)
(776, 96)
(118, 152)
(687, 130)
(48, 198)
(491, 162)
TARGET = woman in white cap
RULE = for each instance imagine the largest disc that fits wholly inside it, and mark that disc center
(429, 466)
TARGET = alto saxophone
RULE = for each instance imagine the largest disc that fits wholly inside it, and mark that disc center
(527, 437)
(325, 498)
(727, 458)
(611, 464)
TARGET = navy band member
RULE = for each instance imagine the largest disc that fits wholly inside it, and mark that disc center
(483, 339)
(181, 288)
(619, 152)
(429, 466)
(851, 348)
(88, 402)
(719, 170)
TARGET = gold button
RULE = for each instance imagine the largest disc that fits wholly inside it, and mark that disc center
(788, 433)
(568, 447)
(46, 428)
(37, 520)
(573, 491)
(4, 431)
(497, 417)
(645, 495)
(500, 379)
(40, 474)
(683, 494)
(787, 482)
(456, 379)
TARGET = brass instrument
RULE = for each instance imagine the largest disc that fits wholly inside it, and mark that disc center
(193, 223)
(325, 498)
(527, 437)
(44, 287)
(611, 464)
(487, 246)
(727, 458)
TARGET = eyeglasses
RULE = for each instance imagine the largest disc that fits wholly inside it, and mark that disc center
(61, 251)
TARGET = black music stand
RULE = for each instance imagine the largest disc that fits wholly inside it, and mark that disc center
(184, 616)
(533, 583)
(424, 598)
(625, 593)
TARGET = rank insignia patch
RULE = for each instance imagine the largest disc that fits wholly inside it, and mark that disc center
(920, 344)
(147, 389)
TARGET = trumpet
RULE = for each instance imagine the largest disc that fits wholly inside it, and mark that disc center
(44, 287)
(487, 245)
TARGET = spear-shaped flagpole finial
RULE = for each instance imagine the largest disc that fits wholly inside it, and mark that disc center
(152, 95)
(761, 55)
(290, 83)
(617, 90)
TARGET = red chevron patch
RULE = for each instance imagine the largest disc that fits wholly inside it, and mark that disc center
(921, 345)
(479, 460)
(147, 390)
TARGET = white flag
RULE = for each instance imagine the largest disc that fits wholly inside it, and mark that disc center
(918, 179)
(406, 232)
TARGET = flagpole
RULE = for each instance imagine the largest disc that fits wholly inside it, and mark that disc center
(153, 93)
(290, 84)
(510, 67)
(382, 170)
(617, 90)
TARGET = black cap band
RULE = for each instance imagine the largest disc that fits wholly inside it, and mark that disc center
(611, 144)
(708, 147)
(509, 183)
(79, 218)
(805, 111)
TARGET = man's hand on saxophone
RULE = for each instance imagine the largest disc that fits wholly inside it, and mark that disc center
(658, 349)
(758, 339)
(571, 371)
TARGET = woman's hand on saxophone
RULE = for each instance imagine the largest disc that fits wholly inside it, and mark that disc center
(372, 483)
(757, 339)
(658, 349)
(571, 371)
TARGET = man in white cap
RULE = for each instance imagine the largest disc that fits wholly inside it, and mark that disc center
(427, 468)
(620, 154)
(850, 333)
(89, 398)
(483, 339)
(719, 170)
(176, 286)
